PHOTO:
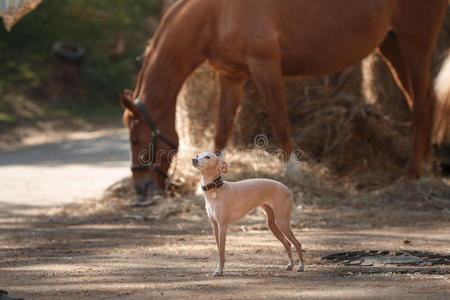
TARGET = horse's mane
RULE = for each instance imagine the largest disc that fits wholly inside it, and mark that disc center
(167, 19)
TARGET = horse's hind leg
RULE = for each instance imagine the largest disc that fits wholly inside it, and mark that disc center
(229, 99)
(401, 70)
(416, 44)
(268, 76)
(392, 55)
(409, 60)
(277, 233)
(422, 118)
(417, 57)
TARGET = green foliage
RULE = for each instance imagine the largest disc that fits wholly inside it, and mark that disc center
(27, 63)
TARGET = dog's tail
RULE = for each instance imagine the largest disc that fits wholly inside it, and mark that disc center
(441, 127)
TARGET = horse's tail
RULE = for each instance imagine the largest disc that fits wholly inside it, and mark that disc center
(441, 128)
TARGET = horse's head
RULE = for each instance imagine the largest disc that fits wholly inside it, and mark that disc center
(151, 150)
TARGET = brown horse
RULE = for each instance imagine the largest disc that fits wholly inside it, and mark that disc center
(266, 40)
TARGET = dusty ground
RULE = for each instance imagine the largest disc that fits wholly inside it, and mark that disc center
(132, 259)
(136, 255)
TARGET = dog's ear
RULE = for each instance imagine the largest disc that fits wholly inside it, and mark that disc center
(223, 166)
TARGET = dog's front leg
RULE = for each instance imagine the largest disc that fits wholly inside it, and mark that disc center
(216, 232)
(222, 238)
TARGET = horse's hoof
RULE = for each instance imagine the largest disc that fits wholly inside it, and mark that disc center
(218, 273)
(289, 267)
(301, 267)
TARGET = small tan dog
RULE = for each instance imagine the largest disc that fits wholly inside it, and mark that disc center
(227, 202)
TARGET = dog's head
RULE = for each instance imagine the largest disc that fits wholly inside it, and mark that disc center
(207, 162)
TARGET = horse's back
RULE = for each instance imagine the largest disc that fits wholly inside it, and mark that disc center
(330, 35)
(306, 33)
(309, 37)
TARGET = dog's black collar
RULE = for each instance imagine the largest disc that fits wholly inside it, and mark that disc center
(216, 183)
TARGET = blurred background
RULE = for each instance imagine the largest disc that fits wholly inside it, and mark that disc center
(101, 40)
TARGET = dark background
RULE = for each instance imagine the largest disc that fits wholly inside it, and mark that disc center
(37, 86)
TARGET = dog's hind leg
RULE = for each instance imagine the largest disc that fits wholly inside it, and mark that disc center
(277, 233)
(285, 228)
(282, 221)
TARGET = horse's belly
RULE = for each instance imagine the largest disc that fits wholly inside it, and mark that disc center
(328, 40)
(319, 61)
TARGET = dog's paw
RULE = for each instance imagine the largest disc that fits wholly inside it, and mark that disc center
(289, 267)
(218, 273)
(301, 267)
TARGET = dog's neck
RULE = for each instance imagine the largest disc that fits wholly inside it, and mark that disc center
(210, 177)
(213, 185)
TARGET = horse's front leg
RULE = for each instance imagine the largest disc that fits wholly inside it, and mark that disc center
(229, 99)
(268, 77)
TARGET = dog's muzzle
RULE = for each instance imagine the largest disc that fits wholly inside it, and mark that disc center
(195, 162)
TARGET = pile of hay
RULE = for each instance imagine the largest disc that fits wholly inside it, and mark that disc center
(197, 109)
(331, 122)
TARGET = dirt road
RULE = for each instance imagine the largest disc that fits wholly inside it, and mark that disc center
(175, 259)
(49, 174)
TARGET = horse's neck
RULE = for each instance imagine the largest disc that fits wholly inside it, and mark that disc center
(162, 79)
(175, 53)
